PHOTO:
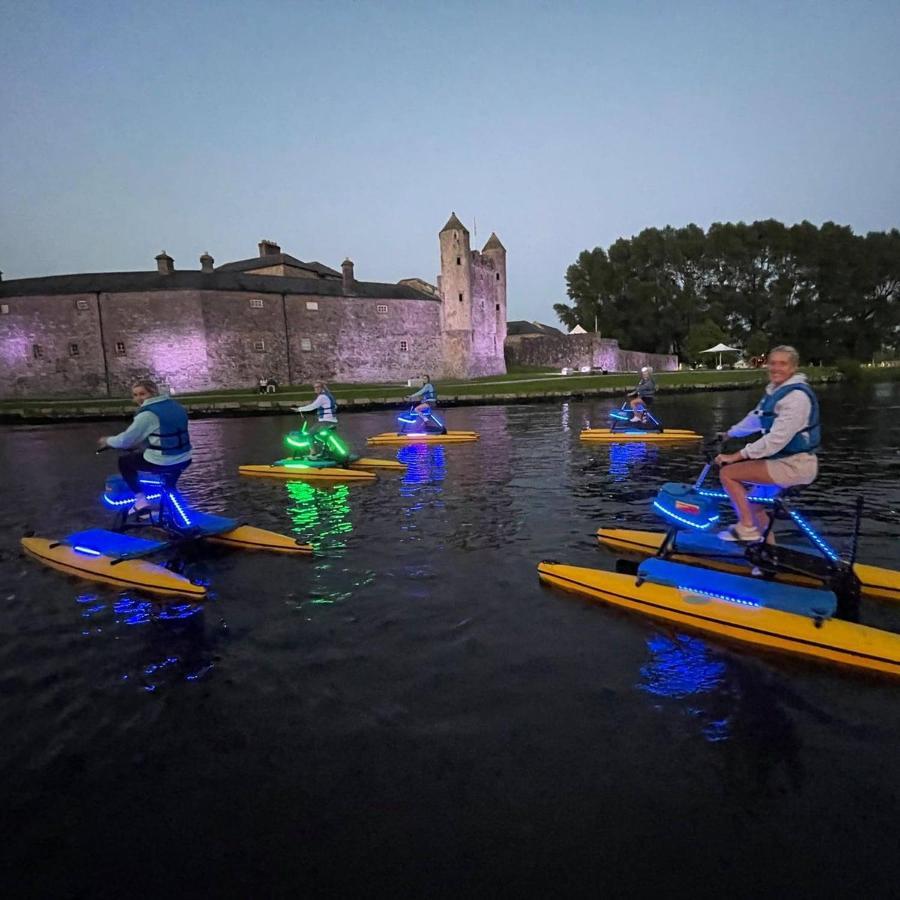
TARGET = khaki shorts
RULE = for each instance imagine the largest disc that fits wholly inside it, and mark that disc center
(801, 468)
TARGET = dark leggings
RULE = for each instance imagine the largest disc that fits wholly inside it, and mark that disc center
(132, 464)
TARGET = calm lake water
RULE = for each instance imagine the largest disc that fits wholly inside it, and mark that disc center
(410, 710)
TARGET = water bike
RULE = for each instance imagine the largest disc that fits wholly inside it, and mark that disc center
(119, 558)
(800, 599)
(647, 428)
(322, 456)
(422, 428)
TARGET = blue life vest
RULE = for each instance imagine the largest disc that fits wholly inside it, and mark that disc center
(172, 437)
(806, 440)
(322, 411)
(429, 394)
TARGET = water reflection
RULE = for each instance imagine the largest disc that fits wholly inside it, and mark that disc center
(320, 515)
(626, 459)
(683, 667)
(172, 643)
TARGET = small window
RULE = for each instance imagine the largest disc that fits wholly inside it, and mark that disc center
(459, 260)
(82, 304)
(256, 303)
(4, 309)
(120, 348)
(381, 307)
(497, 307)
(259, 346)
(305, 344)
(404, 347)
(73, 350)
(312, 304)
(497, 276)
(460, 298)
(37, 351)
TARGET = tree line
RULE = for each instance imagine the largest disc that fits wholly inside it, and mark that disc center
(829, 292)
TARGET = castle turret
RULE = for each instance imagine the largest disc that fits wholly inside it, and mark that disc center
(496, 252)
(456, 276)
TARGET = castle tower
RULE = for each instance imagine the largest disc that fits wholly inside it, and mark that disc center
(456, 277)
(494, 251)
(472, 286)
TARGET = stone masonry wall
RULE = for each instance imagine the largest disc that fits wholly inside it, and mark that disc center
(244, 342)
(160, 335)
(351, 340)
(578, 350)
(49, 347)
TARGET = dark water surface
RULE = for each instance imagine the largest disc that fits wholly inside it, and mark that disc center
(410, 709)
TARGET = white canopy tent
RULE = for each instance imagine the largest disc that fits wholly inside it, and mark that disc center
(720, 349)
(577, 330)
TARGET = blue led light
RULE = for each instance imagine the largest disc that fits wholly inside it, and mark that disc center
(715, 596)
(670, 515)
(808, 530)
(721, 495)
(115, 504)
(87, 551)
(179, 509)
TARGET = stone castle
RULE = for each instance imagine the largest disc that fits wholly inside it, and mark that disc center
(273, 315)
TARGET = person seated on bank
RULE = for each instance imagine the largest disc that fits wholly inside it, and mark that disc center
(261, 385)
(158, 438)
(785, 455)
(641, 398)
(427, 394)
(325, 407)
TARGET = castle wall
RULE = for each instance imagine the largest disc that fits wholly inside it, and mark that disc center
(350, 340)
(162, 336)
(56, 368)
(578, 350)
(234, 332)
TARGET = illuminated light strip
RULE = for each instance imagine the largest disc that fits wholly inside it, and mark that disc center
(721, 495)
(687, 522)
(811, 534)
(116, 503)
(181, 512)
(690, 590)
(87, 551)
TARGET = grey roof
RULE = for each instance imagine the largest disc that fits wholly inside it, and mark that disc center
(453, 224)
(278, 259)
(218, 280)
(521, 327)
(493, 243)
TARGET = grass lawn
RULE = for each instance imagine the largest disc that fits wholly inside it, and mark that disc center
(520, 383)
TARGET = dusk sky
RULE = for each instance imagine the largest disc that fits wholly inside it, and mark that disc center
(355, 128)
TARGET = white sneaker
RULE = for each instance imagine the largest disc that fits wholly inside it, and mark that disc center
(747, 534)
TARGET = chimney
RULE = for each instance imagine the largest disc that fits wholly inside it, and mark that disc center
(269, 248)
(165, 265)
(206, 262)
(347, 270)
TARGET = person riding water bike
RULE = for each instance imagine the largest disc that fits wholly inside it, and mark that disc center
(158, 436)
(325, 407)
(785, 455)
(428, 395)
(641, 398)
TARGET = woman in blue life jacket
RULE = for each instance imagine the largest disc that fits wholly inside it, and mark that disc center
(785, 455)
(641, 398)
(158, 437)
(325, 407)
(427, 394)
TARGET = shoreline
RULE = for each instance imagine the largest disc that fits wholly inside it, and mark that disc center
(47, 414)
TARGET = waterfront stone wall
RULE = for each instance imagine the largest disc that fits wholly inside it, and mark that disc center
(579, 350)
